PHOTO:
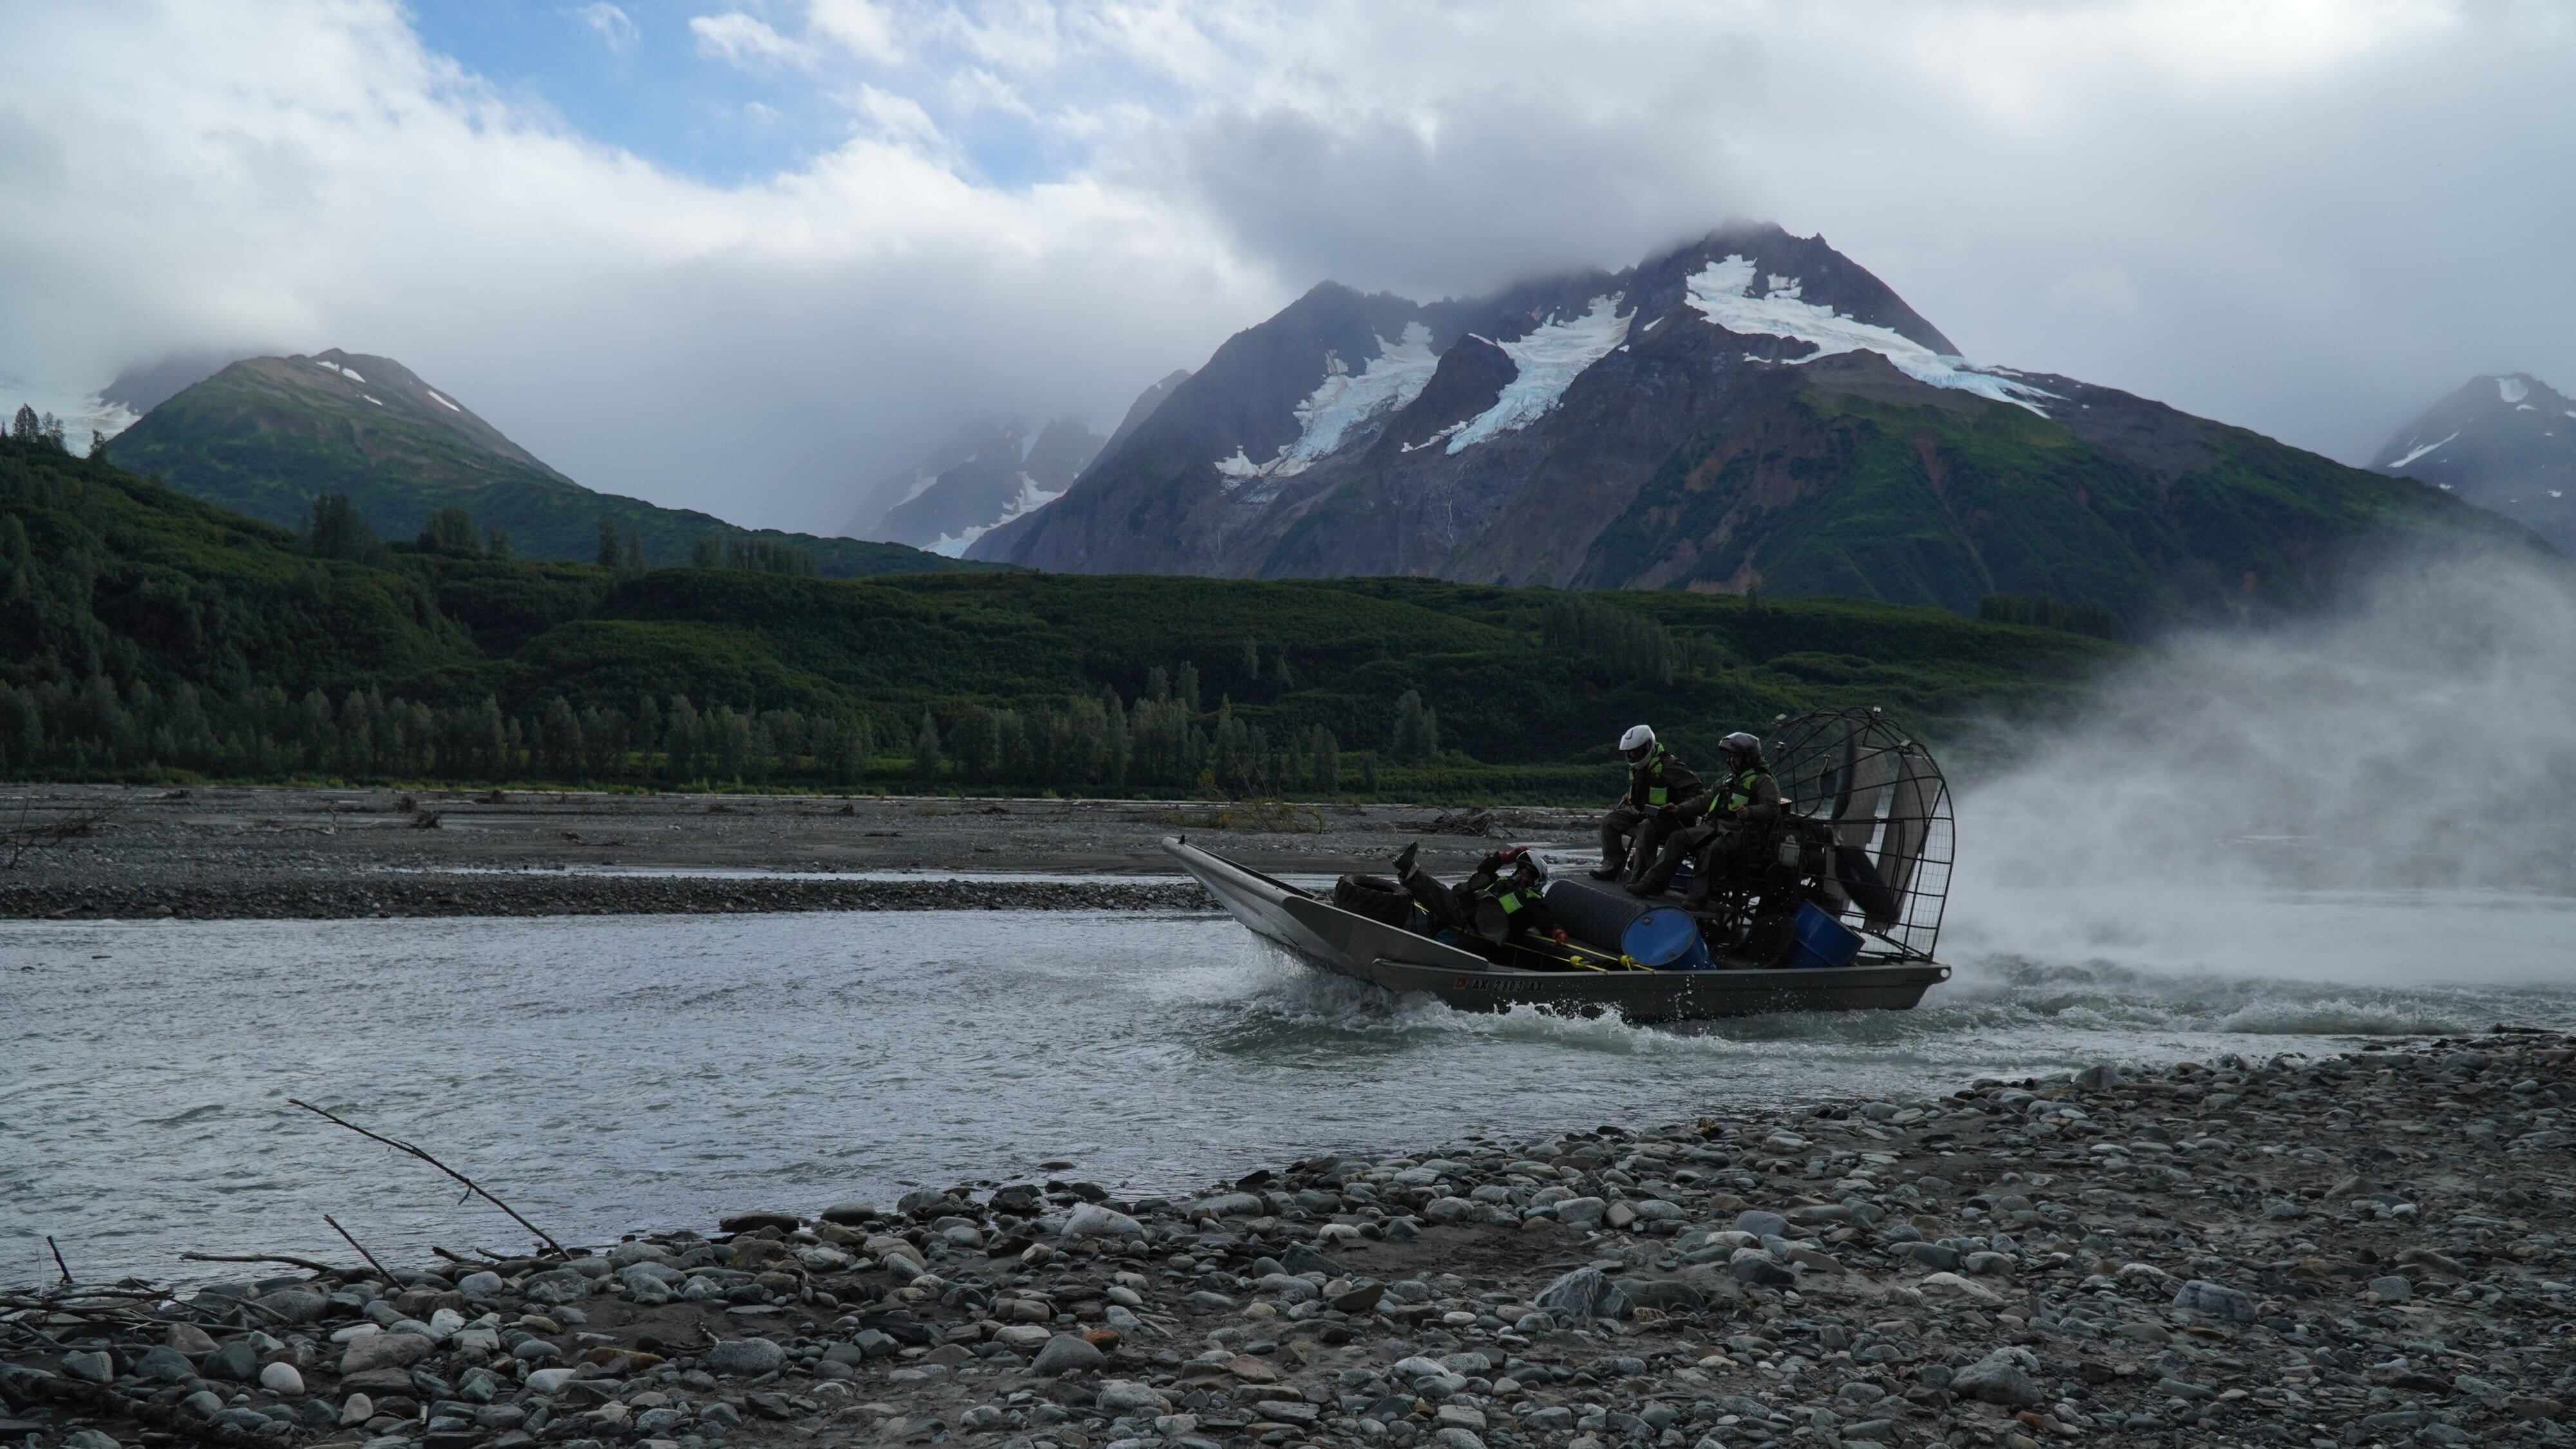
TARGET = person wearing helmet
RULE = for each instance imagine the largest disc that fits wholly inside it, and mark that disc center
(1658, 783)
(1504, 897)
(1727, 822)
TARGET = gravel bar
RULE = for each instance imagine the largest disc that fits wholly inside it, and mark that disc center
(339, 896)
(2368, 1248)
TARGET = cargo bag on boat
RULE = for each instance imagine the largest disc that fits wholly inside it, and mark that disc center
(1375, 897)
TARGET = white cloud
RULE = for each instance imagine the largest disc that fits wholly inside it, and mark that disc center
(616, 28)
(748, 41)
(2308, 218)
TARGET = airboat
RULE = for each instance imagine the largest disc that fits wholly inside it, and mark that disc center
(1838, 911)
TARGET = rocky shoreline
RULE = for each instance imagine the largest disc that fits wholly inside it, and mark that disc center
(338, 896)
(2367, 1248)
(233, 852)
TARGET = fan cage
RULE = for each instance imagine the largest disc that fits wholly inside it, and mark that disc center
(1882, 795)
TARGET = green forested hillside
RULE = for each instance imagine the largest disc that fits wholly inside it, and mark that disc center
(268, 435)
(148, 633)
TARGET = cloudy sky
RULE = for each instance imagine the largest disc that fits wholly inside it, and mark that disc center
(743, 254)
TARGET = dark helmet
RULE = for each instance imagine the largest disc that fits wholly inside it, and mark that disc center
(1740, 743)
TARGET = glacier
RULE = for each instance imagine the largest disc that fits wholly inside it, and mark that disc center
(1030, 499)
(1343, 402)
(1722, 292)
(1549, 358)
(2420, 452)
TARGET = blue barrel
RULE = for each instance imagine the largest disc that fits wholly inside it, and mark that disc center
(1597, 915)
(1665, 939)
(1822, 941)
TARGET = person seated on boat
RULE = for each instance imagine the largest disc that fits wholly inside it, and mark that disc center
(1658, 783)
(1730, 823)
(1504, 897)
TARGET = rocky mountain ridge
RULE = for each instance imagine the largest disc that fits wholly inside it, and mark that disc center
(1751, 410)
(2506, 443)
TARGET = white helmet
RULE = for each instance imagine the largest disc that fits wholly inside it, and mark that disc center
(1638, 738)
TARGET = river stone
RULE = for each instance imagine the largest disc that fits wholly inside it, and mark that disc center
(94, 1366)
(295, 1305)
(282, 1380)
(1065, 1354)
(2392, 1289)
(1091, 1220)
(1583, 1293)
(2217, 1300)
(1761, 1224)
(1665, 1295)
(1361, 1298)
(1125, 1396)
(203, 1404)
(237, 1360)
(556, 1286)
(1951, 1285)
(88, 1439)
(1989, 1265)
(850, 1214)
(483, 1284)
(1930, 1256)
(167, 1364)
(1302, 1259)
(1756, 1267)
(548, 1380)
(1227, 1205)
(383, 1350)
(754, 1222)
(189, 1338)
(1656, 1210)
(744, 1356)
(357, 1409)
(2001, 1377)
(1581, 1212)
(1448, 1210)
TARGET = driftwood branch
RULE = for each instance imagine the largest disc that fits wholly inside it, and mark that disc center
(470, 1184)
(59, 1265)
(259, 1258)
(381, 1270)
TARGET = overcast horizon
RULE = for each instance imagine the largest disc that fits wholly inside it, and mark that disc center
(748, 256)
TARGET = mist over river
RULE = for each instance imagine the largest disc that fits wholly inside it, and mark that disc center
(616, 1073)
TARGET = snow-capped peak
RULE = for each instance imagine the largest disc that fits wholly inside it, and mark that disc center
(2512, 389)
(1722, 292)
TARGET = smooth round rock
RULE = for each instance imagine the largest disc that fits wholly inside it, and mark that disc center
(744, 1356)
(1064, 1354)
(282, 1380)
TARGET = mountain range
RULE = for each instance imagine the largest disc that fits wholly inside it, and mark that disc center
(987, 474)
(2505, 443)
(266, 435)
(1751, 411)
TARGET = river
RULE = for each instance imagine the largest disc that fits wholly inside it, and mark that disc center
(609, 1074)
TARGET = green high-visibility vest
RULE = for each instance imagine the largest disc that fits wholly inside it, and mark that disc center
(1510, 901)
(1739, 794)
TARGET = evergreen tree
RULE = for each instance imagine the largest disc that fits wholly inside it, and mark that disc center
(706, 552)
(1189, 686)
(496, 542)
(1417, 728)
(634, 552)
(333, 528)
(450, 530)
(24, 428)
(609, 552)
(925, 747)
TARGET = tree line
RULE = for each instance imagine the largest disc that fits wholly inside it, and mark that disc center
(1094, 744)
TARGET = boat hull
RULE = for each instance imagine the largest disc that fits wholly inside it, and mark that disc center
(1401, 961)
